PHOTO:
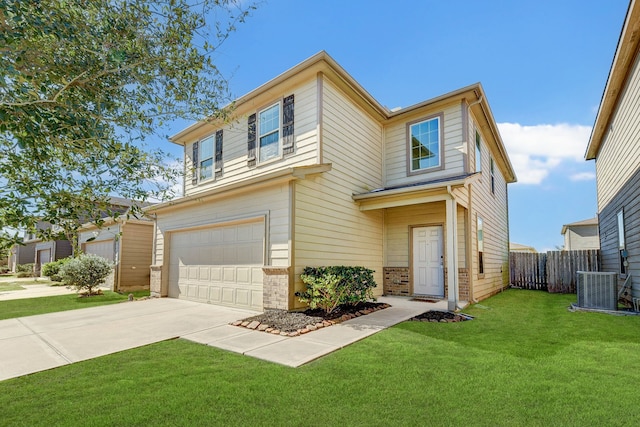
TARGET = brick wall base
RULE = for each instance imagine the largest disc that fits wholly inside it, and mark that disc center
(275, 283)
(396, 281)
(155, 281)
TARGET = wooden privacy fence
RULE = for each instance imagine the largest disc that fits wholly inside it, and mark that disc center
(554, 271)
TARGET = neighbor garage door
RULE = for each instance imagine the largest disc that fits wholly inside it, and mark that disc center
(102, 248)
(218, 265)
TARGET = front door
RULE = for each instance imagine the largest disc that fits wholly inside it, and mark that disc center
(428, 267)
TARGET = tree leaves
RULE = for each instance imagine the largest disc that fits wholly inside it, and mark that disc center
(85, 83)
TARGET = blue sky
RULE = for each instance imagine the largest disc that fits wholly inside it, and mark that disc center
(543, 65)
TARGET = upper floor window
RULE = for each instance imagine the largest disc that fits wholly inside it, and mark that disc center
(424, 144)
(269, 133)
(478, 152)
(206, 158)
(265, 140)
(493, 177)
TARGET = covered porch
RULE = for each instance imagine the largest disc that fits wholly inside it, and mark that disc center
(426, 236)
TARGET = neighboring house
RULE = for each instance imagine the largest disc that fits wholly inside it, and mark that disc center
(40, 252)
(37, 251)
(128, 243)
(517, 247)
(615, 146)
(314, 171)
(581, 235)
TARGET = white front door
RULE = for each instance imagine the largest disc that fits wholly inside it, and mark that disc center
(428, 266)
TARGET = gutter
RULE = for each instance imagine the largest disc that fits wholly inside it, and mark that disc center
(284, 175)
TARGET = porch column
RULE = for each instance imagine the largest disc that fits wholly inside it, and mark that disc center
(452, 252)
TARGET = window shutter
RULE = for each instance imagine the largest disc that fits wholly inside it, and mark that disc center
(287, 125)
(194, 165)
(218, 165)
(251, 140)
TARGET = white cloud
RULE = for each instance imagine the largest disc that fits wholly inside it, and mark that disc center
(536, 150)
(583, 176)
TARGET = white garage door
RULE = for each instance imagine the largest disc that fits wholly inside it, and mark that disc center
(102, 248)
(221, 265)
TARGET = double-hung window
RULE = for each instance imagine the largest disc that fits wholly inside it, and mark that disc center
(206, 158)
(621, 243)
(493, 177)
(480, 232)
(269, 133)
(425, 144)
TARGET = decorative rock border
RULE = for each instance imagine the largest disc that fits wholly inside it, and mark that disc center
(264, 327)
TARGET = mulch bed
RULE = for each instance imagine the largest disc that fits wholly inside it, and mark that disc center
(295, 323)
(441, 316)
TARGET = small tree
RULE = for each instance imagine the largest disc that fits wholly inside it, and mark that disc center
(86, 272)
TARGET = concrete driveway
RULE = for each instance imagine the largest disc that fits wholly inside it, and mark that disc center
(37, 343)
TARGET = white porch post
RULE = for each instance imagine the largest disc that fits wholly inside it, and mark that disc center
(452, 252)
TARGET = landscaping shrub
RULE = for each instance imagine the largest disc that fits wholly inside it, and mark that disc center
(24, 270)
(332, 286)
(86, 272)
(52, 269)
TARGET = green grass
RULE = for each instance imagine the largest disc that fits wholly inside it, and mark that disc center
(10, 286)
(525, 360)
(32, 306)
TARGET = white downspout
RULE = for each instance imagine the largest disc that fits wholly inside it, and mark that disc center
(452, 252)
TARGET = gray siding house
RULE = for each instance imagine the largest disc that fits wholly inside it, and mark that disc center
(615, 147)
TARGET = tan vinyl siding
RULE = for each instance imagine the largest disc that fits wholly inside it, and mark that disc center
(136, 246)
(272, 202)
(619, 156)
(396, 146)
(330, 229)
(398, 223)
(234, 151)
(492, 208)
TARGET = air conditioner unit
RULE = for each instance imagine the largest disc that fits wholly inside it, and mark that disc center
(597, 290)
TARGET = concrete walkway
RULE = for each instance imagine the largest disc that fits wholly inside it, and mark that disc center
(36, 343)
(36, 291)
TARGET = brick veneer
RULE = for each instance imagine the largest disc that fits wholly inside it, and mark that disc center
(396, 281)
(275, 288)
(155, 281)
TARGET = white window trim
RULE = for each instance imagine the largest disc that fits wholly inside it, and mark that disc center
(200, 159)
(440, 118)
(259, 135)
(621, 231)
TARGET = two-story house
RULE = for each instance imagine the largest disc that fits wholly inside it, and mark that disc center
(615, 147)
(313, 171)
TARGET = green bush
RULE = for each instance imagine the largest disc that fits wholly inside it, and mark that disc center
(52, 269)
(330, 287)
(86, 272)
(24, 268)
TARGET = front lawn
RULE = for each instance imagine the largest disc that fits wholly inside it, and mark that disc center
(32, 306)
(524, 360)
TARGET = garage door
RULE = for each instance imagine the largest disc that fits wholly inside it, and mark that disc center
(221, 265)
(102, 248)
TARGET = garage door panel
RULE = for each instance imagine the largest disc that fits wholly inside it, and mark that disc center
(229, 274)
(243, 296)
(243, 275)
(220, 265)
